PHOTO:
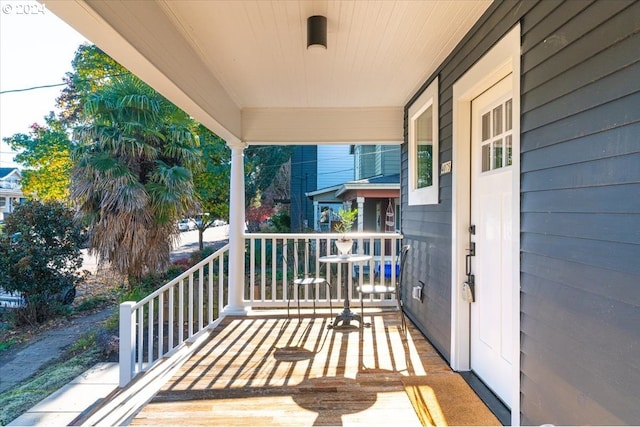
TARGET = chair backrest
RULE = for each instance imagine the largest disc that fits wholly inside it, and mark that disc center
(299, 257)
(404, 252)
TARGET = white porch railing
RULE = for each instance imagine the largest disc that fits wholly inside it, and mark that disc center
(184, 307)
(173, 314)
(268, 280)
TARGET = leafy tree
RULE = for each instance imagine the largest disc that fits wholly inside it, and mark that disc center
(211, 181)
(262, 165)
(268, 204)
(266, 168)
(40, 258)
(92, 69)
(131, 178)
(45, 153)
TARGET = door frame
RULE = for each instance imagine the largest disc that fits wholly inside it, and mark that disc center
(503, 58)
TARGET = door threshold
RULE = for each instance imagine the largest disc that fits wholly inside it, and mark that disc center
(495, 405)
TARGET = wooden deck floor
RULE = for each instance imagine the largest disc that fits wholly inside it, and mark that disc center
(260, 371)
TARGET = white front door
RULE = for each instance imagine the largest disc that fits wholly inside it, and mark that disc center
(491, 214)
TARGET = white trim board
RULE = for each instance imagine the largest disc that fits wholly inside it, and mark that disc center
(503, 58)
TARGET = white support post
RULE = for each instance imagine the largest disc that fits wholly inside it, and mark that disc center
(316, 215)
(360, 201)
(235, 304)
(127, 342)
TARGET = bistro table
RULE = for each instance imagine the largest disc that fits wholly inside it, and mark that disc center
(347, 315)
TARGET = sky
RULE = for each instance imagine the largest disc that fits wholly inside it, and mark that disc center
(36, 49)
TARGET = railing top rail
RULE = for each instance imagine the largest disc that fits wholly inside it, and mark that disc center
(353, 235)
(182, 276)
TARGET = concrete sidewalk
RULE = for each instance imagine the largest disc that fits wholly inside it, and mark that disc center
(74, 399)
(66, 404)
(34, 356)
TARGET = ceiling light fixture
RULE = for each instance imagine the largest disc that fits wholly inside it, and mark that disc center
(316, 32)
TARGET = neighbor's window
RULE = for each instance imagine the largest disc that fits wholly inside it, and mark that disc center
(423, 147)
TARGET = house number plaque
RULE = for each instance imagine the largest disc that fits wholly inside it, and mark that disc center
(445, 168)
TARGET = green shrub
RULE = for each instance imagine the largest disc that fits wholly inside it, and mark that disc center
(92, 303)
(280, 222)
(174, 271)
(198, 256)
(40, 258)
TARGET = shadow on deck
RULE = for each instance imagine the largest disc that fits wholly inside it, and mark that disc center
(273, 370)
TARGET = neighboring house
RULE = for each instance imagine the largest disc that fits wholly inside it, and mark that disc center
(10, 192)
(520, 167)
(313, 167)
(375, 192)
(7, 156)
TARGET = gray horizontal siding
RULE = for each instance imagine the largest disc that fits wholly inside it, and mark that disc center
(580, 221)
(580, 207)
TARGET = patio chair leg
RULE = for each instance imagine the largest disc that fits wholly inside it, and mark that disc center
(314, 300)
(403, 323)
(330, 304)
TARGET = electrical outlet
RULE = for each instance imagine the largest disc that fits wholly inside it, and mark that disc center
(417, 291)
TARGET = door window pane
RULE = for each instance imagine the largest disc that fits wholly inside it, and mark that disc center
(508, 115)
(507, 147)
(497, 120)
(486, 157)
(486, 126)
(497, 154)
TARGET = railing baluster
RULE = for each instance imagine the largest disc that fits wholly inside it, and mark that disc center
(252, 268)
(160, 324)
(150, 333)
(285, 270)
(263, 269)
(190, 306)
(140, 343)
(181, 311)
(220, 284)
(200, 298)
(171, 326)
(210, 292)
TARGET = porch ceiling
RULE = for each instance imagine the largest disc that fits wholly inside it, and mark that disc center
(242, 67)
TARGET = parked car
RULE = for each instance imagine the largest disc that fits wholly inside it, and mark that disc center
(187, 224)
(219, 222)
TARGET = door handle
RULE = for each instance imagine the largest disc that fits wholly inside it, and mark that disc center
(468, 289)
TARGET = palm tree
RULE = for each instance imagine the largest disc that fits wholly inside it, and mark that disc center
(132, 177)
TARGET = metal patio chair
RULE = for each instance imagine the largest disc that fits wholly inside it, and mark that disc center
(395, 288)
(298, 257)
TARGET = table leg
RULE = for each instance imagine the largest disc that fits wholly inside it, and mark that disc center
(347, 315)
